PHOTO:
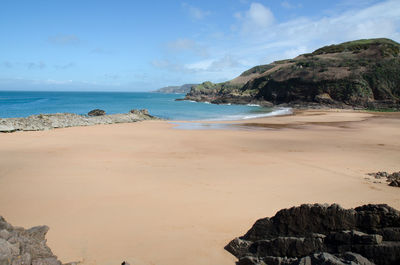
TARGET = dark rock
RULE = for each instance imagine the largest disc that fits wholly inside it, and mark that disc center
(238, 247)
(323, 234)
(356, 258)
(390, 233)
(248, 260)
(141, 111)
(287, 247)
(395, 183)
(324, 98)
(393, 179)
(97, 112)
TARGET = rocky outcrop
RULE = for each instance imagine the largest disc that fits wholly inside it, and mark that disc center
(62, 120)
(322, 234)
(19, 246)
(392, 179)
(96, 112)
(362, 74)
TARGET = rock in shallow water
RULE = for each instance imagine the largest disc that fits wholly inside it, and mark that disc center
(62, 120)
(97, 112)
(322, 234)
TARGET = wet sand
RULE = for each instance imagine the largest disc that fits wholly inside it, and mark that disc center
(150, 193)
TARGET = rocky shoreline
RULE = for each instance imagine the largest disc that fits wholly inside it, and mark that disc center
(63, 120)
(322, 234)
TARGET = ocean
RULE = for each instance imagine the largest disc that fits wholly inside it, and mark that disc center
(24, 103)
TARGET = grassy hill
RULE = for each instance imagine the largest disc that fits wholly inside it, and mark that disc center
(361, 73)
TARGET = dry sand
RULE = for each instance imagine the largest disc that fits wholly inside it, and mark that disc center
(149, 193)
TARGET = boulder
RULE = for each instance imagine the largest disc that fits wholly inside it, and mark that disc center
(97, 112)
(322, 234)
(139, 112)
(19, 246)
(324, 98)
(7, 128)
(393, 179)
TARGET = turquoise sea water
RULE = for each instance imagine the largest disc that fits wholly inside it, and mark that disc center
(22, 104)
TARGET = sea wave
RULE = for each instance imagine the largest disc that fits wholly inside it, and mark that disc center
(275, 112)
(253, 105)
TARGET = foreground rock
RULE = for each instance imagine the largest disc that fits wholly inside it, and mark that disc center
(392, 179)
(62, 120)
(19, 246)
(322, 234)
(357, 74)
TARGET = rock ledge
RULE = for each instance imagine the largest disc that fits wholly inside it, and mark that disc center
(322, 234)
(62, 120)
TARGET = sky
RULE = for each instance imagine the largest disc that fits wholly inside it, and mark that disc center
(116, 45)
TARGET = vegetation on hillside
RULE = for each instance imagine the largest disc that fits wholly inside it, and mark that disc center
(363, 73)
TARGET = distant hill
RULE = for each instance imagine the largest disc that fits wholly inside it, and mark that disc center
(175, 89)
(362, 73)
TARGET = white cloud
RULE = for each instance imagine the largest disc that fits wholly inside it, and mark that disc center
(291, 38)
(222, 64)
(258, 17)
(195, 12)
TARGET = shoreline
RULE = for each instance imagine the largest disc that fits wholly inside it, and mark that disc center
(149, 194)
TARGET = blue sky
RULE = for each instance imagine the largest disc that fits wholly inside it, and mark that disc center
(143, 45)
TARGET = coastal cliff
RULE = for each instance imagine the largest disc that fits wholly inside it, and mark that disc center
(362, 73)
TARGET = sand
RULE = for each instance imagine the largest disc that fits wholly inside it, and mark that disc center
(149, 193)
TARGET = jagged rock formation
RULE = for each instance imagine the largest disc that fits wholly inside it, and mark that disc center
(363, 73)
(62, 120)
(19, 246)
(175, 89)
(392, 179)
(322, 234)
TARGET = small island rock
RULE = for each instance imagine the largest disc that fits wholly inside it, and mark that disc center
(97, 112)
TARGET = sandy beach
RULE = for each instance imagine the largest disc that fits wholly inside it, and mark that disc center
(152, 194)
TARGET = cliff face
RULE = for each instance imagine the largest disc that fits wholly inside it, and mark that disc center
(362, 73)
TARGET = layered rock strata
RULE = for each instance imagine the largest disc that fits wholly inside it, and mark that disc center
(322, 234)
